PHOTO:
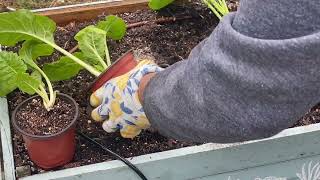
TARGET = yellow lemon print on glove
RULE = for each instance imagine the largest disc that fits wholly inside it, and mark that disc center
(144, 62)
(142, 122)
(122, 81)
(130, 131)
(115, 108)
(117, 96)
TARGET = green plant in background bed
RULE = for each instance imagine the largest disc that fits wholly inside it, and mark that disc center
(159, 4)
(218, 7)
(30, 4)
(37, 34)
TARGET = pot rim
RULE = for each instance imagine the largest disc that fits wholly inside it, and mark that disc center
(106, 70)
(65, 96)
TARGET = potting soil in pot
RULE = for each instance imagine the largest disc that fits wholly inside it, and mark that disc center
(34, 119)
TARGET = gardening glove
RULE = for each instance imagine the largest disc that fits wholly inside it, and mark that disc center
(118, 101)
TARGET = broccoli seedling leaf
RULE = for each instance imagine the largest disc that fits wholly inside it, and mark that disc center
(159, 4)
(27, 83)
(114, 26)
(37, 75)
(31, 50)
(24, 25)
(37, 33)
(10, 65)
(34, 49)
(92, 43)
(63, 69)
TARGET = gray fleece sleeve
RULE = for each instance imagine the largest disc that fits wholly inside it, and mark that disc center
(256, 75)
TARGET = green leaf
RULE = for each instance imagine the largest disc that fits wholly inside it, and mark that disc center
(10, 65)
(99, 67)
(25, 25)
(159, 4)
(31, 50)
(37, 75)
(27, 83)
(92, 43)
(35, 49)
(114, 26)
(63, 69)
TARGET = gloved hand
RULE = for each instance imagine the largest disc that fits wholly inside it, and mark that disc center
(118, 101)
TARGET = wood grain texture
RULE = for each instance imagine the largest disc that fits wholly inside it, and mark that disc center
(287, 151)
(6, 141)
(66, 14)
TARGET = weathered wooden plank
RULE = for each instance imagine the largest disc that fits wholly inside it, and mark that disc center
(88, 11)
(205, 160)
(6, 143)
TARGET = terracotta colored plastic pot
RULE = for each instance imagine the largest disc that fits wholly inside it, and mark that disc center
(53, 150)
(123, 65)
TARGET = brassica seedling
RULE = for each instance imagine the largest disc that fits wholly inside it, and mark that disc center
(37, 34)
(21, 71)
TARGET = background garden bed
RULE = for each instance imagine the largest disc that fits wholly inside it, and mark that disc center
(36, 4)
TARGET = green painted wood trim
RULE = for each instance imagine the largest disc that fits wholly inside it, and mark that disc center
(205, 160)
(286, 170)
(6, 143)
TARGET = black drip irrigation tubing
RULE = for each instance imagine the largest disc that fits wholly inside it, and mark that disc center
(124, 160)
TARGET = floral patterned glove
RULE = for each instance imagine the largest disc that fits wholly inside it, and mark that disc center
(118, 99)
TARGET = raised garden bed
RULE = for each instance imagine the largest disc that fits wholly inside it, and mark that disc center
(201, 162)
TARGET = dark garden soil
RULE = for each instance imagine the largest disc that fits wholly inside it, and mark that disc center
(167, 43)
(311, 117)
(34, 119)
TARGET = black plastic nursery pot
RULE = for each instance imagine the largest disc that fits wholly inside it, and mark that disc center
(54, 150)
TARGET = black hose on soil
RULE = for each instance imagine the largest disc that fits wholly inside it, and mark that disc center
(124, 160)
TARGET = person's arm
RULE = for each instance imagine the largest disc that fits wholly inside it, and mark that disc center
(254, 76)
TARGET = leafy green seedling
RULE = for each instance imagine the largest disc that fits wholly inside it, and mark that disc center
(159, 4)
(37, 34)
(94, 52)
(218, 7)
(21, 71)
